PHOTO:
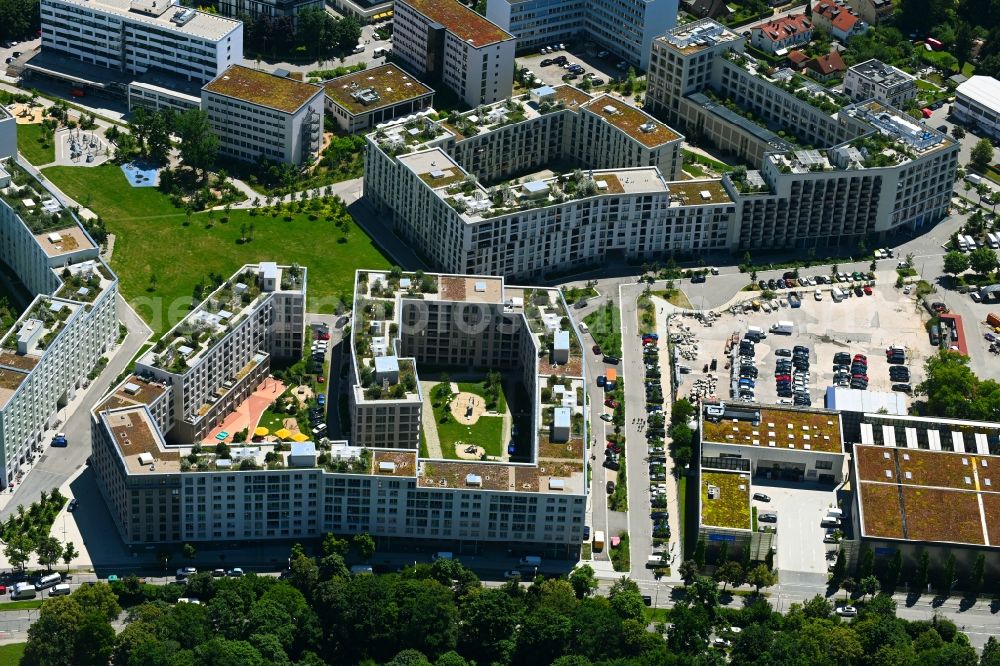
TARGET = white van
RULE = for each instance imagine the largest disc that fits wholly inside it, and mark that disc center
(360, 48)
(834, 512)
(379, 52)
(974, 178)
(583, 328)
(22, 591)
(60, 590)
(48, 581)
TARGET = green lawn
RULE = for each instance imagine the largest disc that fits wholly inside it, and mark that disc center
(620, 555)
(487, 432)
(606, 328)
(477, 388)
(152, 239)
(21, 605)
(31, 146)
(10, 655)
(681, 501)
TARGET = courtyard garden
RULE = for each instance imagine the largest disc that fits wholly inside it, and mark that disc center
(461, 422)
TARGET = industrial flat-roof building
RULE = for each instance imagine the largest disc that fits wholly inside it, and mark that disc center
(977, 103)
(256, 114)
(443, 40)
(853, 404)
(362, 100)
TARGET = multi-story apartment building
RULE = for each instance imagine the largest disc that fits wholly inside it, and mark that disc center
(364, 99)
(977, 102)
(257, 114)
(69, 323)
(779, 35)
(532, 496)
(271, 9)
(429, 181)
(133, 37)
(219, 353)
(443, 40)
(625, 28)
(874, 79)
(881, 173)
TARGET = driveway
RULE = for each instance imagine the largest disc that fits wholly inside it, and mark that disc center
(800, 508)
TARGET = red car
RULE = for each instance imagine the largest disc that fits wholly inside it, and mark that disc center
(860, 376)
(783, 378)
(321, 379)
(610, 403)
(323, 336)
(868, 291)
(596, 349)
(860, 357)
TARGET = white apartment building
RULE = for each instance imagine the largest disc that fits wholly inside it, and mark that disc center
(443, 40)
(220, 353)
(882, 172)
(524, 500)
(977, 103)
(874, 79)
(624, 28)
(135, 36)
(46, 356)
(257, 114)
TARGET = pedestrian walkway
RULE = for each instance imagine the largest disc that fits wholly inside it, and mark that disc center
(431, 438)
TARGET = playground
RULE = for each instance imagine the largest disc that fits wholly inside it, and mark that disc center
(458, 425)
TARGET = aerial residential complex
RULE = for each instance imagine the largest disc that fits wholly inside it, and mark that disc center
(929, 484)
(364, 99)
(443, 40)
(874, 79)
(116, 42)
(256, 114)
(628, 28)
(526, 489)
(977, 102)
(880, 170)
(69, 323)
(463, 191)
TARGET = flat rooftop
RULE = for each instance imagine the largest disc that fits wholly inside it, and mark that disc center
(699, 192)
(922, 495)
(466, 24)
(881, 73)
(725, 499)
(746, 424)
(471, 289)
(135, 435)
(132, 392)
(637, 124)
(374, 88)
(64, 241)
(898, 127)
(263, 89)
(10, 381)
(165, 16)
(693, 37)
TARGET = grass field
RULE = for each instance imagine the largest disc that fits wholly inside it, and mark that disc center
(620, 555)
(29, 144)
(477, 388)
(606, 328)
(10, 655)
(21, 605)
(487, 432)
(152, 239)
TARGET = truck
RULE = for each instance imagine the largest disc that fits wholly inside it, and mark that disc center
(60, 440)
(23, 591)
(974, 178)
(610, 377)
(837, 294)
(783, 327)
(598, 541)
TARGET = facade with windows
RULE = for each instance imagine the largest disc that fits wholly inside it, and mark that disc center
(268, 9)
(977, 103)
(256, 114)
(627, 29)
(364, 99)
(874, 79)
(69, 323)
(135, 36)
(443, 40)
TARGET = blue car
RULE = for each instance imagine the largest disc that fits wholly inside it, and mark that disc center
(511, 448)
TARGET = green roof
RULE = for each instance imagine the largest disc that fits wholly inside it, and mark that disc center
(391, 85)
(730, 506)
(263, 89)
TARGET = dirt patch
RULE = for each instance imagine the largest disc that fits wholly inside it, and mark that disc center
(303, 394)
(572, 368)
(291, 425)
(27, 115)
(467, 408)
(466, 452)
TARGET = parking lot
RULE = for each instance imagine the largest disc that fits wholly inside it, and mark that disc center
(800, 509)
(857, 325)
(602, 68)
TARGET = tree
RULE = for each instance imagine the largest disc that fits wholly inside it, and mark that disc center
(982, 155)
(303, 574)
(583, 580)
(977, 576)
(955, 262)
(948, 575)
(839, 568)
(626, 600)
(729, 573)
(866, 562)
(893, 571)
(869, 585)
(688, 570)
(189, 551)
(49, 551)
(761, 576)
(921, 575)
(958, 132)
(365, 545)
(962, 47)
(69, 554)
(699, 553)
(983, 260)
(817, 608)
(18, 550)
(848, 585)
(199, 143)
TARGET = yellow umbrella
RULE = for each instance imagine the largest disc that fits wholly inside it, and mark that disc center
(283, 433)
(261, 431)
(299, 437)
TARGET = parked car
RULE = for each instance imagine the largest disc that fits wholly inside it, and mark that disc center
(611, 487)
(761, 497)
(847, 611)
(184, 572)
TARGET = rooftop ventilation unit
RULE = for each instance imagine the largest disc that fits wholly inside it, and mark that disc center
(647, 127)
(366, 96)
(183, 16)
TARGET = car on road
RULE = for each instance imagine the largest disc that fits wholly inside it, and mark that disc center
(696, 279)
(606, 418)
(611, 487)
(511, 574)
(235, 572)
(818, 295)
(184, 572)
(847, 611)
(73, 503)
(767, 518)
(761, 497)
(596, 349)
(218, 573)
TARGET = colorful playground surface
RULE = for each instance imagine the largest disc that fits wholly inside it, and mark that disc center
(247, 415)
(140, 174)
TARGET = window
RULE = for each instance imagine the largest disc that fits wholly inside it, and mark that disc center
(824, 464)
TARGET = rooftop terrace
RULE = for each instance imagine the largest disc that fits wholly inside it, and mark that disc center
(637, 124)
(263, 89)
(58, 242)
(133, 391)
(164, 16)
(693, 37)
(788, 428)
(374, 88)
(698, 192)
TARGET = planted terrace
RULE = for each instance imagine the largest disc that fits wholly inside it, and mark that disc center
(725, 500)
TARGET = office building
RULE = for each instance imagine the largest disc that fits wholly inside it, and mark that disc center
(106, 44)
(874, 79)
(432, 180)
(50, 351)
(526, 493)
(977, 104)
(838, 19)
(626, 29)
(881, 172)
(445, 41)
(364, 99)
(256, 114)
(271, 9)
(928, 484)
(781, 34)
